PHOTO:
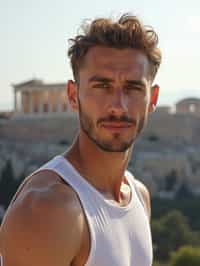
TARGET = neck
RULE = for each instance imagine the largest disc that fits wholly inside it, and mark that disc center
(104, 170)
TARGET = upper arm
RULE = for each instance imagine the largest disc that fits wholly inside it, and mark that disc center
(41, 230)
(146, 196)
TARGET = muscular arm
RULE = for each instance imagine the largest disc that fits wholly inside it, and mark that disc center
(42, 228)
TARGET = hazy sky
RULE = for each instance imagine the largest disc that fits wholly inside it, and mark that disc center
(34, 34)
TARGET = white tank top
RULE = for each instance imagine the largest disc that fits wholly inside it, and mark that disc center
(120, 236)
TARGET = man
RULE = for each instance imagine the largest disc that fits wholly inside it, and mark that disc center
(84, 207)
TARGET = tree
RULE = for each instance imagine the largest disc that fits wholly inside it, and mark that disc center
(170, 233)
(8, 184)
(184, 192)
(189, 207)
(170, 180)
(186, 256)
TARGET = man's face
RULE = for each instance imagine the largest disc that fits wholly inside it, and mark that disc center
(113, 96)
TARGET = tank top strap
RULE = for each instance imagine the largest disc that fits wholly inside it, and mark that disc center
(132, 182)
(66, 171)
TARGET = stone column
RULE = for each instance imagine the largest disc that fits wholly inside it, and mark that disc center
(23, 99)
(40, 101)
(59, 102)
(64, 101)
(198, 109)
(54, 101)
(25, 102)
(18, 101)
(30, 102)
(45, 101)
(15, 101)
(50, 107)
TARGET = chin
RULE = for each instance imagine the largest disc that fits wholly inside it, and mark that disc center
(111, 147)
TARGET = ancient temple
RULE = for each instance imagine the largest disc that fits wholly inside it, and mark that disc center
(36, 98)
(188, 105)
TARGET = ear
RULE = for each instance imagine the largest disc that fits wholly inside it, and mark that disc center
(72, 93)
(154, 98)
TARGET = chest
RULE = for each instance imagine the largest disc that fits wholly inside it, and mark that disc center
(116, 238)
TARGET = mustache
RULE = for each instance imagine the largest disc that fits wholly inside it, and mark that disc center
(112, 118)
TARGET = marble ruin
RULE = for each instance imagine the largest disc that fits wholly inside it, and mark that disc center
(36, 98)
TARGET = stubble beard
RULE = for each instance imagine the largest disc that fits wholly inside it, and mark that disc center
(88, 128)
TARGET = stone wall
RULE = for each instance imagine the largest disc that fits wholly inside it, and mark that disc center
(166, 170)
(54, 129)
(169, 127)
(167, 152)
(174, 127)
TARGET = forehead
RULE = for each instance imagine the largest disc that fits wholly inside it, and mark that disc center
(111, 60)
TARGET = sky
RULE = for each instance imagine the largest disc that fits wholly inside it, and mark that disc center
(34, 40)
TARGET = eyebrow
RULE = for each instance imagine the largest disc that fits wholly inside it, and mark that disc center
(136, 82)
(97, 78)
(100, 79)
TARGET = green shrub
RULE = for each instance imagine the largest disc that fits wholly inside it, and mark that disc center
(186, 256)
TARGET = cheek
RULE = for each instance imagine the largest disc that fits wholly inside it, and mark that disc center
(138, 106)
(93, 103)
(90, 108)
(137, 101)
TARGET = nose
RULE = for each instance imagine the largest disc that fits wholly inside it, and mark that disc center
(118, 104)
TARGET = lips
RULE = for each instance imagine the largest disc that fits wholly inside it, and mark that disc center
(116, 126)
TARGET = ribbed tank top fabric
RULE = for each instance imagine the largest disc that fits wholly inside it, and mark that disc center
(120, 235)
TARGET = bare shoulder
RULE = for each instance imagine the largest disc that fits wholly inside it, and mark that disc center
(44, 226)
(145, 194)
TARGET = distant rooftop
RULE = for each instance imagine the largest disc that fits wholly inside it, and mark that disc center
(189, 100)
(31, 82)
(35, 82)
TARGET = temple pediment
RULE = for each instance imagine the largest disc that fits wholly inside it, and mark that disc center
(31, 82)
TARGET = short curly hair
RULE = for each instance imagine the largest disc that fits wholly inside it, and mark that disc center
(127, 32)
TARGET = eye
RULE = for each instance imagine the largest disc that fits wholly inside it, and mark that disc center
(102, 85)
(131, 87)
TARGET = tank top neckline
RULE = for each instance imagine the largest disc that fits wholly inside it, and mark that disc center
(109, 202)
